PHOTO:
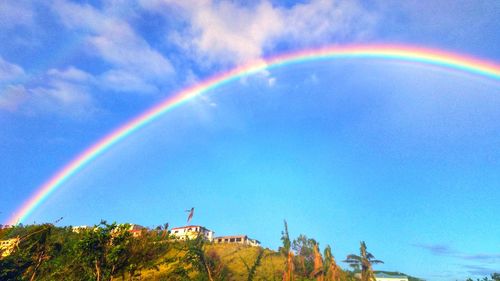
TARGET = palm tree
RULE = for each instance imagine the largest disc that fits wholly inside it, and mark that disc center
(365, 261)
(287, 252)
(332, 270)
(318, 271)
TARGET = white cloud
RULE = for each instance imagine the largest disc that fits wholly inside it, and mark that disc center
(15, 13)
(224, 32)
(63, 92)
(327, 21)
(66, 92)
(61, 97)
(207, 100)
(12, 97)
(71, 73)
(113, 40)
(9, 71)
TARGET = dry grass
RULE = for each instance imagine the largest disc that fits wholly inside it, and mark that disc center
(233, 256)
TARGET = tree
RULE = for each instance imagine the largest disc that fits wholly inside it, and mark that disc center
(317, 272)
(331, 269)
(104, 250)
(207, 266)
(145, 250)
(288, 254)
(363, 261)
(304, 250)
(253, 269)
(34, 247)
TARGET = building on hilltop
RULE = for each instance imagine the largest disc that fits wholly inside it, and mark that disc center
(191, 232)
(136, 230)
(237, 239)
(387, 277)
(80, 228)
(8, 246)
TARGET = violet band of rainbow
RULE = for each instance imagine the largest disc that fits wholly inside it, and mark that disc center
(404, 53)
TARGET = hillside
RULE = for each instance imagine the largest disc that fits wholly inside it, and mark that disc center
(235, 259)
(119, 252)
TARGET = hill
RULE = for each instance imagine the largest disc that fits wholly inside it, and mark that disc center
(120, 252)
(237, 261)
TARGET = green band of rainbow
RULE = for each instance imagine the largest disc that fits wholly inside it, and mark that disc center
(387, 52)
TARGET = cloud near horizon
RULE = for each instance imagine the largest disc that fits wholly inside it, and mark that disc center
(483, 262)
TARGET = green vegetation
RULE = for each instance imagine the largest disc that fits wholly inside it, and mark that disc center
(494, 277)
(112, 252)
(364, 262)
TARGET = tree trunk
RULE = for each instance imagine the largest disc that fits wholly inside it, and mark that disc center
(38, 263)
(97, 271)
(112, 273)
(208, 271)
(288, 273)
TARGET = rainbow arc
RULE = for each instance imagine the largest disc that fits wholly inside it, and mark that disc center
(410, 54)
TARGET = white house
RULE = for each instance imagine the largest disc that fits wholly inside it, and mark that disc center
(136, 230)
(8, 246)
(80, 228)
(238, 239)
(191, 232)
(386, 277)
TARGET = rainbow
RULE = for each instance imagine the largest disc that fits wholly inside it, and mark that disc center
(411, 54)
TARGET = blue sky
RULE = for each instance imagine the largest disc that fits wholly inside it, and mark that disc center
(402, 156)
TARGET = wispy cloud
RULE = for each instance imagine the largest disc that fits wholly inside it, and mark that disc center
(15, 13)
(113, 40)
(482, 257)
(10, 71)
(480, 270)
(62, 92)
(482, 261)
(61, 97)
(446, 250)
(437, 249)
(322, 21)
(11, 97)
(71, 74)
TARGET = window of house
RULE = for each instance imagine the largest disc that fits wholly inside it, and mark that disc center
(238, 239)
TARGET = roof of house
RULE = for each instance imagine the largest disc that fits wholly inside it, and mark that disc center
(231, 236)
(385, 275)
(189, 226)
(236, 236)
(136, 227)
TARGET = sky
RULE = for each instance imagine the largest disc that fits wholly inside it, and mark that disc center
(403, 156)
